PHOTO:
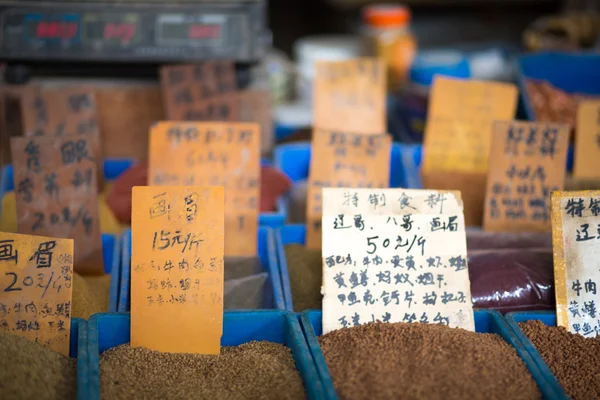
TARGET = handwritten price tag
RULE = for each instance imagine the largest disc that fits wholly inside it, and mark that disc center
(35, 289)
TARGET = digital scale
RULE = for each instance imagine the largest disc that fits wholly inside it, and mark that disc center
(35, 33)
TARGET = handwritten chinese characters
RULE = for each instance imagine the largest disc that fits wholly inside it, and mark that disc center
(459, 123)
(214, 154)
(350, 96)
(200, 92)
(177, 268)
(394, 255)
(35, 289)
(343, 160)
(576, 242)
(57, 195)
(587, 141)
(527, 163)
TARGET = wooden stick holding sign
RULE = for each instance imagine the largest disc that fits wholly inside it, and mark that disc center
(56, 189)
(177, 269)
(527, 163)
(213, 154)
(36, 289)
(576, 245)
(343, 160)
(349, 96)
(405, 261)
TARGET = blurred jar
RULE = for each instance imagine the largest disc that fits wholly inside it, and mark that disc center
(415, 96)
(387, 36)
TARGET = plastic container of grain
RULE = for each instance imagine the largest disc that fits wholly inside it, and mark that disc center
(110, 330)
(272, 291)
(485, 322)
(549, 319)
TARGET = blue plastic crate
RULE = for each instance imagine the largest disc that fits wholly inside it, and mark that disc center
(293, 159)
(287, 234)
(548, 318)
(110, 330)
(115, 167)
(486, 321)
(273, 293)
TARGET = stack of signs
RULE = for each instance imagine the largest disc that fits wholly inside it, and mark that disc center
(213, 154)
(575, 237)
(35, 296)
(177, 269)
(394, 255)
(458, 134)
(527, 164)
(349, 145)
(57, 195)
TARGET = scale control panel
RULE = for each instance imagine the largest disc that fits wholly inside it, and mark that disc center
(130, 31)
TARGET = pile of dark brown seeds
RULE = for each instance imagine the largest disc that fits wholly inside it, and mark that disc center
(420, 361)
(305, 268)
(31, 371)
(572, 358)
(254, 370)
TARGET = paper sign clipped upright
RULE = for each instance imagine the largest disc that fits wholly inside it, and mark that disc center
(350, 96)
(213, 154)
(576, 245)
(200, 92)
(343, 160)
(527, 163)
(587, 141)
(57, 195)
(459, 123)
(177, 268)
(394, 255)
(36, 289)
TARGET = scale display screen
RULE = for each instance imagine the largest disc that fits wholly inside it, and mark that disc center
(134, 33)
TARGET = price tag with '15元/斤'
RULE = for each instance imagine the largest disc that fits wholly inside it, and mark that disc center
(394, 255)
(36, 289)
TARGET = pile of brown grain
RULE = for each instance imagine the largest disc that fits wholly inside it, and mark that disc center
(31, 371)
(420, 361)
(572, 358)
(254, 370)
(305, 268)
(90, 295)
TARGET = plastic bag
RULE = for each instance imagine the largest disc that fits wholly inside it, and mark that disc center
(245, 293)
(479, 240)
(512, 279)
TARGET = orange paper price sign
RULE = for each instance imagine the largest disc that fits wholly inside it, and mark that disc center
(56, 190)
(587, 141)
(350, 96)
(527, 163)
(35, 289)
(200, 92)
(213, 154)
(459, 123)
(177, 268)
(343, 160)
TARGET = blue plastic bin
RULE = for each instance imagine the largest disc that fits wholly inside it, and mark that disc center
(266, 252)
(486, 321)
(287, 234)
(548, 318)
(115, 167)
(110, 330)
(293, 159)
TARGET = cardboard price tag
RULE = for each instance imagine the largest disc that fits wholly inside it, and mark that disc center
(343, 160)
(350, 96)
(394, 255)
(56, 190)
(213, 154)
(576, 245)
(459, 123)
(35, 289)
(200, 92)
(587, 141)
(527, 163)
(177, 269)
